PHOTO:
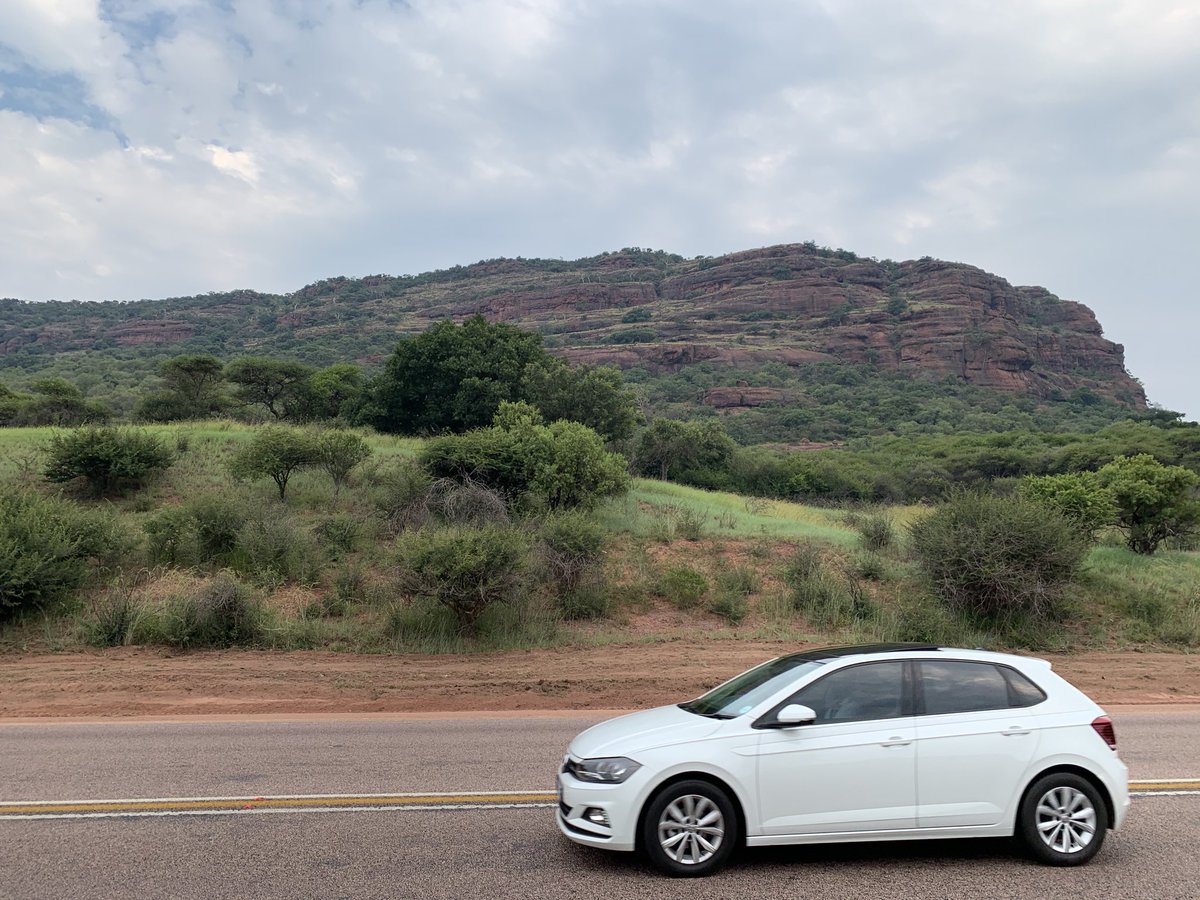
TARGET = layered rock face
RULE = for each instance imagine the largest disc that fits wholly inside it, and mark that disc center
(789, 305)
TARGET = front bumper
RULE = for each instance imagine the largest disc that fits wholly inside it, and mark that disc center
(597, 815)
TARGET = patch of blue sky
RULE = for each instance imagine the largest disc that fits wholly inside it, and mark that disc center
(138, 28)
(51, 95)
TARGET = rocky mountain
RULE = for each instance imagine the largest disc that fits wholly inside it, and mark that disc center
(790, 306)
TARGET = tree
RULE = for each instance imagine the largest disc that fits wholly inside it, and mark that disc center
(697, 452)
(335, 392)
(275, 452)
(594, 396)
(451, 377)
(55, 401)
(110, 460)
(269, 383)
(1153, 501)
(191, 389)
(338, 452)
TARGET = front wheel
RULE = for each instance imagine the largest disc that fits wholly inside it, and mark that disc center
(1063, 820)
(690, 829)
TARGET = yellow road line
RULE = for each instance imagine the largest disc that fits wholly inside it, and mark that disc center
(1156, 787)
(249, 804)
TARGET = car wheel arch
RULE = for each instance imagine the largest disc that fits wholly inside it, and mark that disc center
(714, 780)
(1083, 773)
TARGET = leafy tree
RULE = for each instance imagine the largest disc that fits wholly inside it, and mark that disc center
(269, 383)
(335, 392)
(110, 460)
(452, 377)
(465, 569)
(998, 556)
(1154, 502)
(275, 452)
(191, 389)
(594, 396)
(696, 452)
(338, 452)
(55, 401)
(561, 465)
(1078, 496)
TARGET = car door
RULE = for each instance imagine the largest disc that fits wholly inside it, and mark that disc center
(975, 739)
(853, 769)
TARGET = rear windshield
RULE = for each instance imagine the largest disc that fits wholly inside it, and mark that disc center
(741, 694)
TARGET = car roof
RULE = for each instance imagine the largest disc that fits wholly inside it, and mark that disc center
(831, 654)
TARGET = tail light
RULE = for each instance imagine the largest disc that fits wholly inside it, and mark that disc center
(1104, 727)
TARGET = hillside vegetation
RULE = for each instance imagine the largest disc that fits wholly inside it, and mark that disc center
(790, 344)
(194, 558)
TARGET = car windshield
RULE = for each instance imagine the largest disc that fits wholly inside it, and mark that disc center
(739, 695)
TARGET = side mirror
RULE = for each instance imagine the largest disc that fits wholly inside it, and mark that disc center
(794, 714)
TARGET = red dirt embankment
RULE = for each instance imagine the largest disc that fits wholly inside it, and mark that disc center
(140, 682)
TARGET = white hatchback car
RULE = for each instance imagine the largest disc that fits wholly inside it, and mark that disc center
(878, 742)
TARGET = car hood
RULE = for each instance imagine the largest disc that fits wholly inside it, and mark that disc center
(642, 731)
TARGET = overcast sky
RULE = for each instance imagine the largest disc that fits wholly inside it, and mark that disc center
(153, 148)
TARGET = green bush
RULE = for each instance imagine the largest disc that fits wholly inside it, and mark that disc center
(222, 613)
(739, 580)
(115, 619)
(557, 466)
(203, 530)
(275, 549)
(1078, 496)
(46, 545)
(683, 586)
(338, 532)
(402, 496)
(998, 557)
(730, 606)
(465, 569)
(572, 548)
(875, 530)
(109, 460)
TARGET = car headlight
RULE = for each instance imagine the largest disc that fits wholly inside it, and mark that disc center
(607, 770)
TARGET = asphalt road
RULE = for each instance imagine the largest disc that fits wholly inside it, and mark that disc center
(485, 852)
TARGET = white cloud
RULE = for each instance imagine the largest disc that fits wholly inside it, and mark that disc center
(266, 145)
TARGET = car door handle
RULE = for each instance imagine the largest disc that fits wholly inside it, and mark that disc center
(897, 741)
(1014, 731)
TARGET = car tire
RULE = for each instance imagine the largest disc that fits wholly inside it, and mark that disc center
(690, 829)
(1062, 820)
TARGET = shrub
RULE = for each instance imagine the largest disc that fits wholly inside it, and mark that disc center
(557, 466)
(730, 606)
(683, 586)
(338, 532)
(465, 569)
(115, 618)
(572, 548)
(337, 453)
(274, 550)
(998, 556)
(739, 580)
(875, 530)
(109, 460)
(804, 564)
(46, 544)
(402, 496)
(172, 539)
(274, 452)
(222, 613)
(203, 530)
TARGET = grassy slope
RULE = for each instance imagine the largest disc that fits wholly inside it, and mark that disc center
(1122, 599)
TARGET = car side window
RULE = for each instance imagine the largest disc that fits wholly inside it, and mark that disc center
(956, 687)
(856, 694)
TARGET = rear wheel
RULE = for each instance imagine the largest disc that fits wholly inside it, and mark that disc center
(1063, 820)
(690, 829)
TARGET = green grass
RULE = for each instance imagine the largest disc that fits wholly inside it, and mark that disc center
(654, 508)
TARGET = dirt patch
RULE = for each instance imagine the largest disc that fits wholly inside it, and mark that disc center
(141, 682)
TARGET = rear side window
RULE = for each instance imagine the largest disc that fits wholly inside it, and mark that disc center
(957, 687)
